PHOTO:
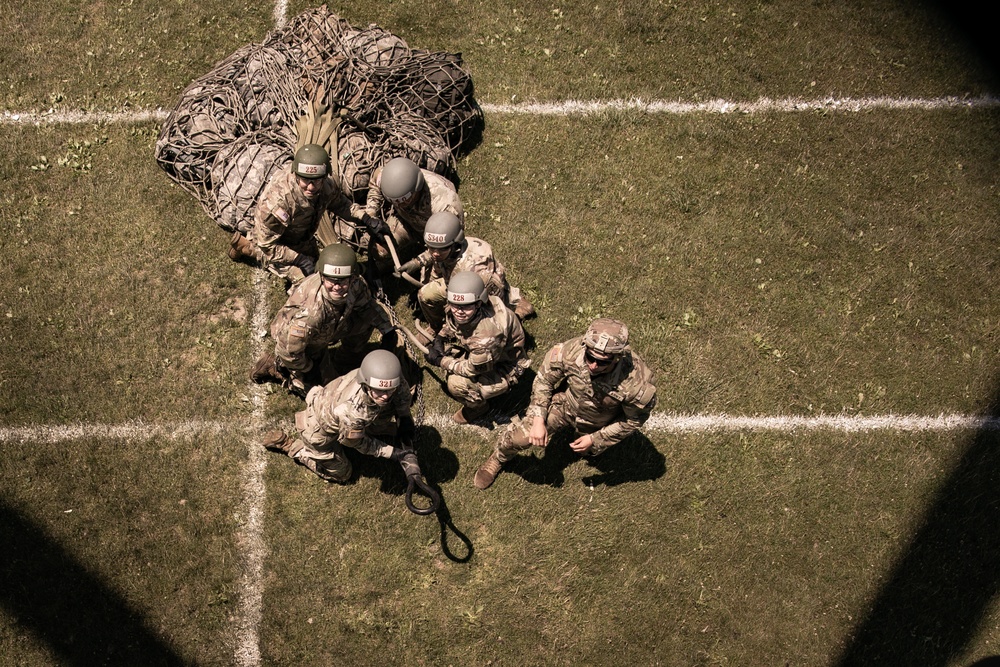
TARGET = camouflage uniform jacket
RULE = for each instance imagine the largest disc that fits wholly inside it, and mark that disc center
(343, 412)
(286, 217)
(494, 343)
(472, 255)
(438, 195)
(310, 321)
(610, 406)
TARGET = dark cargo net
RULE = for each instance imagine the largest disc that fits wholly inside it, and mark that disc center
(366, 94)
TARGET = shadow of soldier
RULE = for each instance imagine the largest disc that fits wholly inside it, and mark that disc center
(634, 459)
(438, 464)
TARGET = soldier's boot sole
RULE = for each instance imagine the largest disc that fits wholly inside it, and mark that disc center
(487, 473)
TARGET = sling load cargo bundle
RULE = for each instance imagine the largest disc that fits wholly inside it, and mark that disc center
(363, 93)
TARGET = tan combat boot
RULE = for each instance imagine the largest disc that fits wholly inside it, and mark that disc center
(523, 309)
(240, 249)
(466, 415)
(280, 442)
(265, 369)
(488, 472)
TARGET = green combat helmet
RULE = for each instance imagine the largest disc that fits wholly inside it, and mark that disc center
(401, 180)
(337, 261)
(607, 335)
(311, 161)
(467, 287)
(380, 370)
(442, 230)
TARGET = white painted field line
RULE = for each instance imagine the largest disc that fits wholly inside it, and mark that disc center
(131, 431)
(763, 105)
(251, 536)
(660, 422)
(280, 13)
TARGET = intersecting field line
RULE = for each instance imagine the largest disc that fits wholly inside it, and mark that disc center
(762, 105)
(251, 540)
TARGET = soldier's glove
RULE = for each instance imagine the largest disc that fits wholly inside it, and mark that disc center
(435, 353)
(377, 229)
(408, 267)
(390, 339)
(408, 460)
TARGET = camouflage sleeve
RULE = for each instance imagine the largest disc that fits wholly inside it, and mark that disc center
(549, 375)
(375, 200)
(482, 357)
(636, 411)
(352, 433)
(344, 208)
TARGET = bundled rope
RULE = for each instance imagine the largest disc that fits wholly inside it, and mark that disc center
(365, 95)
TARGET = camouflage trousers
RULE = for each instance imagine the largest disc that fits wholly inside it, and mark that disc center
(324, 454)
(515, 438)
(473, 393)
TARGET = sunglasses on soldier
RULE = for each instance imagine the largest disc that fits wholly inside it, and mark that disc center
(598, 361)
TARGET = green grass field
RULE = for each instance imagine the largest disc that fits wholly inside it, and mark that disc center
(773, 264)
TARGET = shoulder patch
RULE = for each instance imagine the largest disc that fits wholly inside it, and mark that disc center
(557, 353)
(280, 214)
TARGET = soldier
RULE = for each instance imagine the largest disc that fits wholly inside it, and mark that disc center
(362, 410)
(450, 251)
(329, 306)
(480, 347)
(289, 211)
(594, 384)
(410, 195)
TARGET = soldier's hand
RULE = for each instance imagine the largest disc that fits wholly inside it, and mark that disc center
(408, 267)
(376, 228)
(538, 435)
(435, 353)
(582, 444)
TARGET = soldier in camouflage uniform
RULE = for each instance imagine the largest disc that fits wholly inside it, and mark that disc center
(330, 306)
(480, 347)
(594, 384)
(450, 251)
(405, 196)
(289, 211)
(365, 410)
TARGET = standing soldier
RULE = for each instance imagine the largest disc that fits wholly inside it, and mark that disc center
(450, 251)
(594, 384)
(289, 211)
(331, 305)
(407, 196)
(480, 347)
(362, 410)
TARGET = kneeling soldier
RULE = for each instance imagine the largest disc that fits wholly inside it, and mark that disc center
(361, 410)
(480, 347)
(594, 384)
(450, 251)
(334, 304)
